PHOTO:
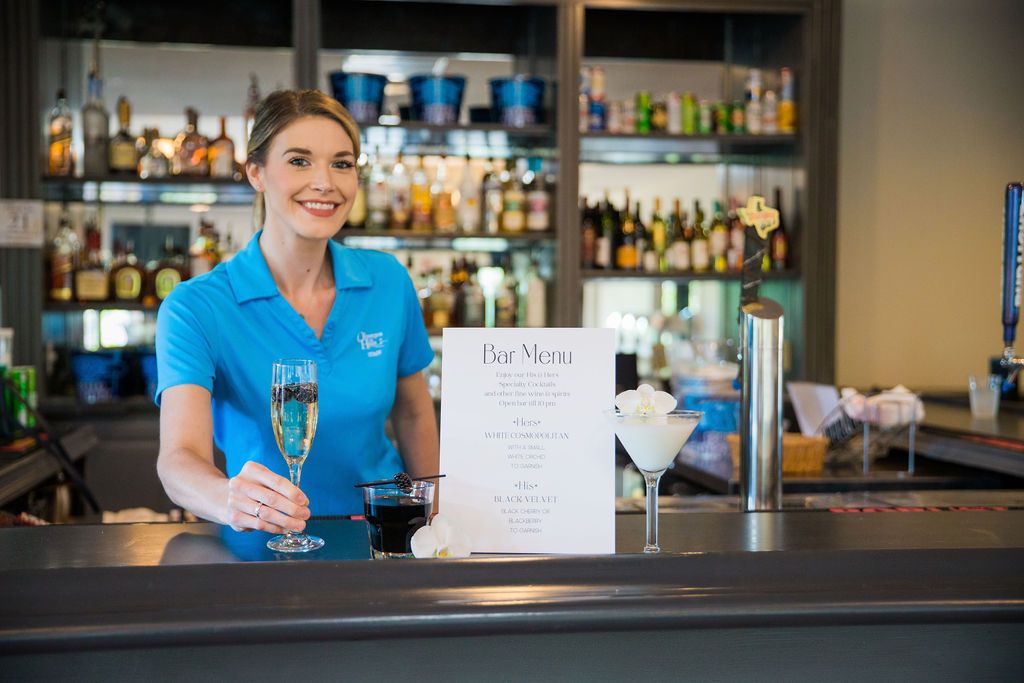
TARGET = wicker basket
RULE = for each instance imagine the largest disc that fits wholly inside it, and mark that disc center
(801, 455)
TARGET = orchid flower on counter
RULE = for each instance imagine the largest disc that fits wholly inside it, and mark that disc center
(440, 538)
(645, 400)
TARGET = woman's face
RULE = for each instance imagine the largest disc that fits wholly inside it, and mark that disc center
(309, 179)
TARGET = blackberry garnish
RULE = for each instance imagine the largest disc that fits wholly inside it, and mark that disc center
(404, 482)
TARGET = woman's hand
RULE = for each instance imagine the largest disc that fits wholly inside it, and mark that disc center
(260, 499)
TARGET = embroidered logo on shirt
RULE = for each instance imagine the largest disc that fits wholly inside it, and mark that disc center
(372, 343)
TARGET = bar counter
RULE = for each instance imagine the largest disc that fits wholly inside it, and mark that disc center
(786, 595)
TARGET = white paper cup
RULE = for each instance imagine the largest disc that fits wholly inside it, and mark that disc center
(985, 390)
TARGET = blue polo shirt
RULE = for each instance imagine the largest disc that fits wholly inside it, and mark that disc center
(224, 329)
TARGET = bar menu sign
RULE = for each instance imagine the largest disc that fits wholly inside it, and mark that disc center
(528, 456)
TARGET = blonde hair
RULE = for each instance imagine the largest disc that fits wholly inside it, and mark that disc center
(278, 111)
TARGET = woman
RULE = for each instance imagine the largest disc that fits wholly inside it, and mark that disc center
(293, 292)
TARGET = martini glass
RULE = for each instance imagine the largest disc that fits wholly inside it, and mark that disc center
(293, 411)
(653, 441)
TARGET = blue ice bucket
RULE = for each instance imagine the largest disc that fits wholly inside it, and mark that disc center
(362, 94)
(517, 100)
(437, 99)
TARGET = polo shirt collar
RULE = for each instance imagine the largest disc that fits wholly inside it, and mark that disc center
(251, 279)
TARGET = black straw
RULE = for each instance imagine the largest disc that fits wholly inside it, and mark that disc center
(382, 482)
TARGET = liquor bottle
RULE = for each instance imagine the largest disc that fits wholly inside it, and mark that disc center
(506, 303)
(440, 301)
(357, 216)
(538, 201)
(770, 114)
(534, 291)
(643, 241)
(678, 256)
(169, 271)
(420, 197)
(787, 107)
(252, 103)
(475, 302)
(700, 256)
(459, 280)
(205, 252)
(222, 153)
(604, 252)
(737, 236)
(738, 117)
(588, 236)
(754, 108)
(61, 162)
(190, 149)
(92, 283)
(718, 240)
(64, 251)
(625, 250)
(656, 257)
(493, 200)
(127, 277)
(779, 240)
(467, 210)
(123, 156)
(95, 128)
(513, 210)
(441, 199)
(399, 196)
(152, 162)
(377, 195)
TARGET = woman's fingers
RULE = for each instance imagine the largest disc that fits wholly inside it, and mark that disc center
(260, 499)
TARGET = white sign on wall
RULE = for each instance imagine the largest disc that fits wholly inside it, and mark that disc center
(528, 456)
(21, 223)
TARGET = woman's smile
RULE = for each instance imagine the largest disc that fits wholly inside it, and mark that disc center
(320, 209)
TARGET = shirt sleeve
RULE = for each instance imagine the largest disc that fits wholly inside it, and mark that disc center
(416, 352)
(184, 353)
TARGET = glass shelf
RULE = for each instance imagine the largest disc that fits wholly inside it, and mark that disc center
(479, 140)
(637, 148)
(171, 190)
(78, 307)
(408, 239)
(680, 276)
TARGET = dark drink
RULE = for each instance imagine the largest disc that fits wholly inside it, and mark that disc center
(392, 520)
(393, 516)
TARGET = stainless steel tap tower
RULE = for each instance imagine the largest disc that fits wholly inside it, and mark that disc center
(761, 325)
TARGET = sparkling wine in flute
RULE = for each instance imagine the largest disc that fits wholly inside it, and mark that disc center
(293, 413)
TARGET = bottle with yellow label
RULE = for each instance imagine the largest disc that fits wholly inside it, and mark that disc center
(126, 277)
(92, 283)
(787, 107)
(169, 272)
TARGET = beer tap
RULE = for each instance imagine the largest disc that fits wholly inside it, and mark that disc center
(1013, 274)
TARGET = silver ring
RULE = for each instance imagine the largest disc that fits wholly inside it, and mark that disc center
(258, 508)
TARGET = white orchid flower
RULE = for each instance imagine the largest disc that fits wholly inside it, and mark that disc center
(644, 400)
(440, 538)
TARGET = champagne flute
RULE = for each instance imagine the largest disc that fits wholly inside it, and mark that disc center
(653, 440)
(293, 411)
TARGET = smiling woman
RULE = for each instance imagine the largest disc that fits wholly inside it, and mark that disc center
(293, 292)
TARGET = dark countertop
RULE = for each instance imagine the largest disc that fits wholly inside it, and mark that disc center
(91, 595)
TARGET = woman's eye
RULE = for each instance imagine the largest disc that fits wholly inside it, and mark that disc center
(298, 161)
(343, 164)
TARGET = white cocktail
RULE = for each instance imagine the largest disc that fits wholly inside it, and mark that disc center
(653, 440)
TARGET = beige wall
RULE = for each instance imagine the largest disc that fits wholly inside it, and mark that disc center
(931, 129)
